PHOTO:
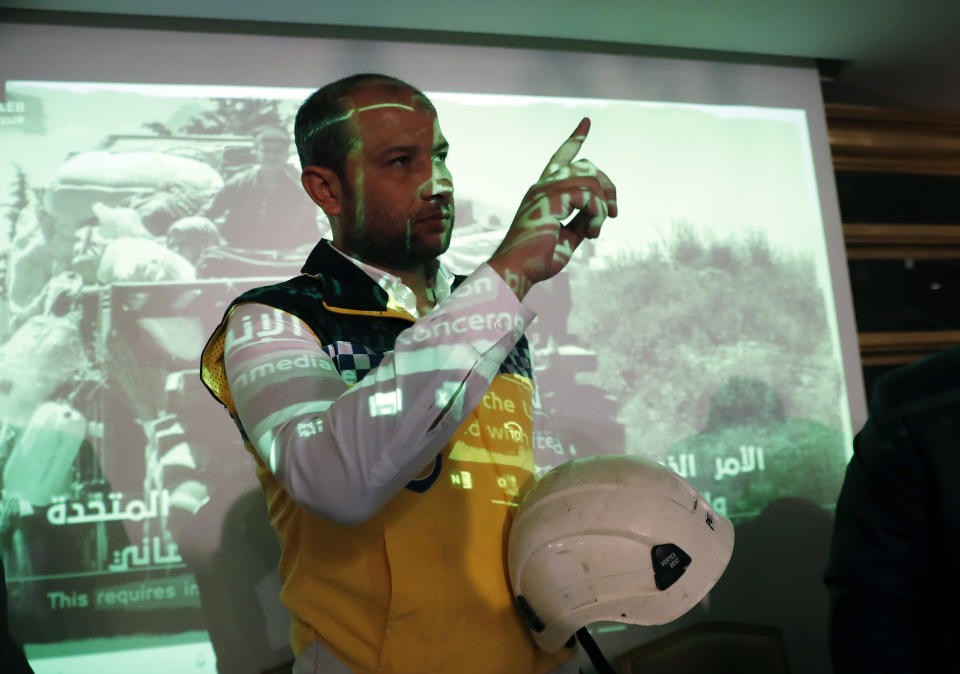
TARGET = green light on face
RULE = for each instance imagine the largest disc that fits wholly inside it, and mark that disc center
(376, 106)
(359, 206)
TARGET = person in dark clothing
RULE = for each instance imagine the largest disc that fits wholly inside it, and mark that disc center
(12, 659)
(896, 541)
(264, 207)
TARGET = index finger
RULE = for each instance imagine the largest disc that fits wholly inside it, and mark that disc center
(571, 146)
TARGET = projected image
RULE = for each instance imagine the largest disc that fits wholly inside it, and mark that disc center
(697, 331)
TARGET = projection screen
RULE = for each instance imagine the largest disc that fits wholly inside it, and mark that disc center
(709, 328)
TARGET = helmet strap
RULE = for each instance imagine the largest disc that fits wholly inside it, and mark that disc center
(593, 652)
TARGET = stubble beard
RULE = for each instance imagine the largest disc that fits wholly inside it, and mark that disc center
(386, 239)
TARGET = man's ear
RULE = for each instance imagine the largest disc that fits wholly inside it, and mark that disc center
(324, 187)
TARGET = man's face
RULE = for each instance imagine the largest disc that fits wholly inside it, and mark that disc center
(271, 152)
(398, 201)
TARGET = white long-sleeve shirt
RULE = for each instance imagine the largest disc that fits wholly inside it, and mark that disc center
(343, 449)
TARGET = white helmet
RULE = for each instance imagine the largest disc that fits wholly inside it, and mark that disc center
(616, 538)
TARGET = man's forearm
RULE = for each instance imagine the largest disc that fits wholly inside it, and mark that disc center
(343, 452)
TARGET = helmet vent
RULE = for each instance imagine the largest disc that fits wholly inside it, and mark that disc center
(669, 563)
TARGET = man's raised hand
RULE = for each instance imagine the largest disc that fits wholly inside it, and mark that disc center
(538, 245)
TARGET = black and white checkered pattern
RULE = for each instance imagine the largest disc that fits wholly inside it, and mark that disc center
(518, 361)
(353, 361)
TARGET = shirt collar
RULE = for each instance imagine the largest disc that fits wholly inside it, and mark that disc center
(399, 295)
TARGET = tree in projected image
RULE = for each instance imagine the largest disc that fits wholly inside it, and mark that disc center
(687, 317)
(18, 198)
(228, 116)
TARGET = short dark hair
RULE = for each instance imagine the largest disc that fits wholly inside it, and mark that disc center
(321, 137)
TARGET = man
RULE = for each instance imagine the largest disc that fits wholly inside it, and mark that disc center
(12, 659)
(263, 207)
(388, 404)
(893, 564)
